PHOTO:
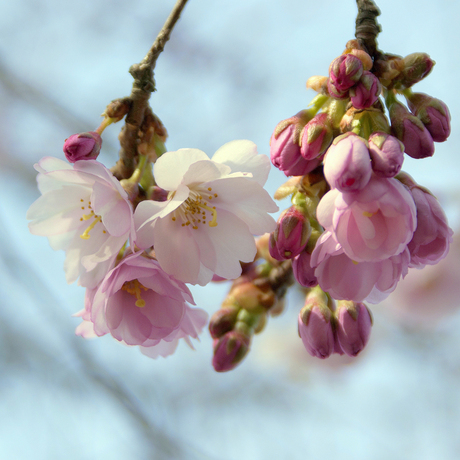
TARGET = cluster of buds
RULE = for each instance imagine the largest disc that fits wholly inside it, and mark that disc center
(326, 327)
(254, 296)
(354, 231)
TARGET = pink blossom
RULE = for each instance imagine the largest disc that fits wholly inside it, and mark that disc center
(344, 278)
(347, 164)
(84, 211)
(371, 224)
(387, 154)
(354, 324)
(139, 304)
(433, 236)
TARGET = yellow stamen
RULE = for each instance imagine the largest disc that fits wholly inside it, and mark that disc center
(354, 261)
(85, 235)
(134, 288)
(368, 214)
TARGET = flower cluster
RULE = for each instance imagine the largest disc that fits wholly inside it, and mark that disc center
(357, 222)
(134, 243)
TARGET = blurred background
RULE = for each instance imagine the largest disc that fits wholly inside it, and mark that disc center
(232, 70)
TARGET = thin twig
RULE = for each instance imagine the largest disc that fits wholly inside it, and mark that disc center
(143, 86)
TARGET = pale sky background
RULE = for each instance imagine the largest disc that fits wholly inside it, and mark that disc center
(232, 70)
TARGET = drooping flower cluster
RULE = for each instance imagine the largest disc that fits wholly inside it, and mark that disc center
(371, 222)
(134, 243)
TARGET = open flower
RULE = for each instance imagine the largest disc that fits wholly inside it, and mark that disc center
(344, 278)
(371, 224)
(139, 304)
(214, 208)
(84, 211)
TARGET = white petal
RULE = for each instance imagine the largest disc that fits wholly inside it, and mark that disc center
(176, 250)
(204, 171)
(171, 167)
(242, 156)
(47, 164)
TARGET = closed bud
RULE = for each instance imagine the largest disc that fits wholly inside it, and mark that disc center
(417, 141)
(334, 92)
(291, 234)
(416, 67)
(387, 154)
(303, 272)
(316, 137)
(285, 146)
(347, 164)
(315, 325)
(83, 146)
(222, 321)
(345, 71)
(433, 113)
(366, 92)
(354, 323)
(230, 350)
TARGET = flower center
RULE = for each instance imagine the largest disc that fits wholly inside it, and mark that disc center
(91, 215)
(195, 210)
(134, 288)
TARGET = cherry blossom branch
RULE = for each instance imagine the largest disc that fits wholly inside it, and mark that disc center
(137, 103)
(367, 27)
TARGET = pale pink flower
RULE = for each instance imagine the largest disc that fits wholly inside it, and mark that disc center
(84, 211)
(433, 236)
(347, 164)
(344, 278)
(214, 208)
(371, 224)
(139, 304)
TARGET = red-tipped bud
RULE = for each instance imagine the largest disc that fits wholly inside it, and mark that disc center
(334, 92)
(291, 234)
(316, 137)
(387, 154)
(433, 113)
(366, 92)
(229, 350)
(347, 164)
(83, 146)
(417, 141)
(354, 324)
(222, 321)
(345, 71)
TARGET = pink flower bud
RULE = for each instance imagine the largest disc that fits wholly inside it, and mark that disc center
(345, 71)
(291, 234)
(316, 137)
(354, 323)
(366, 92)
(285, 148)
(417, 141)
(229, 350)
(83, 146)
(433, 113)
(433, 236)
(335, 92)
(347, 164)
(387, 154)
(303, 272)
(315, 327)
